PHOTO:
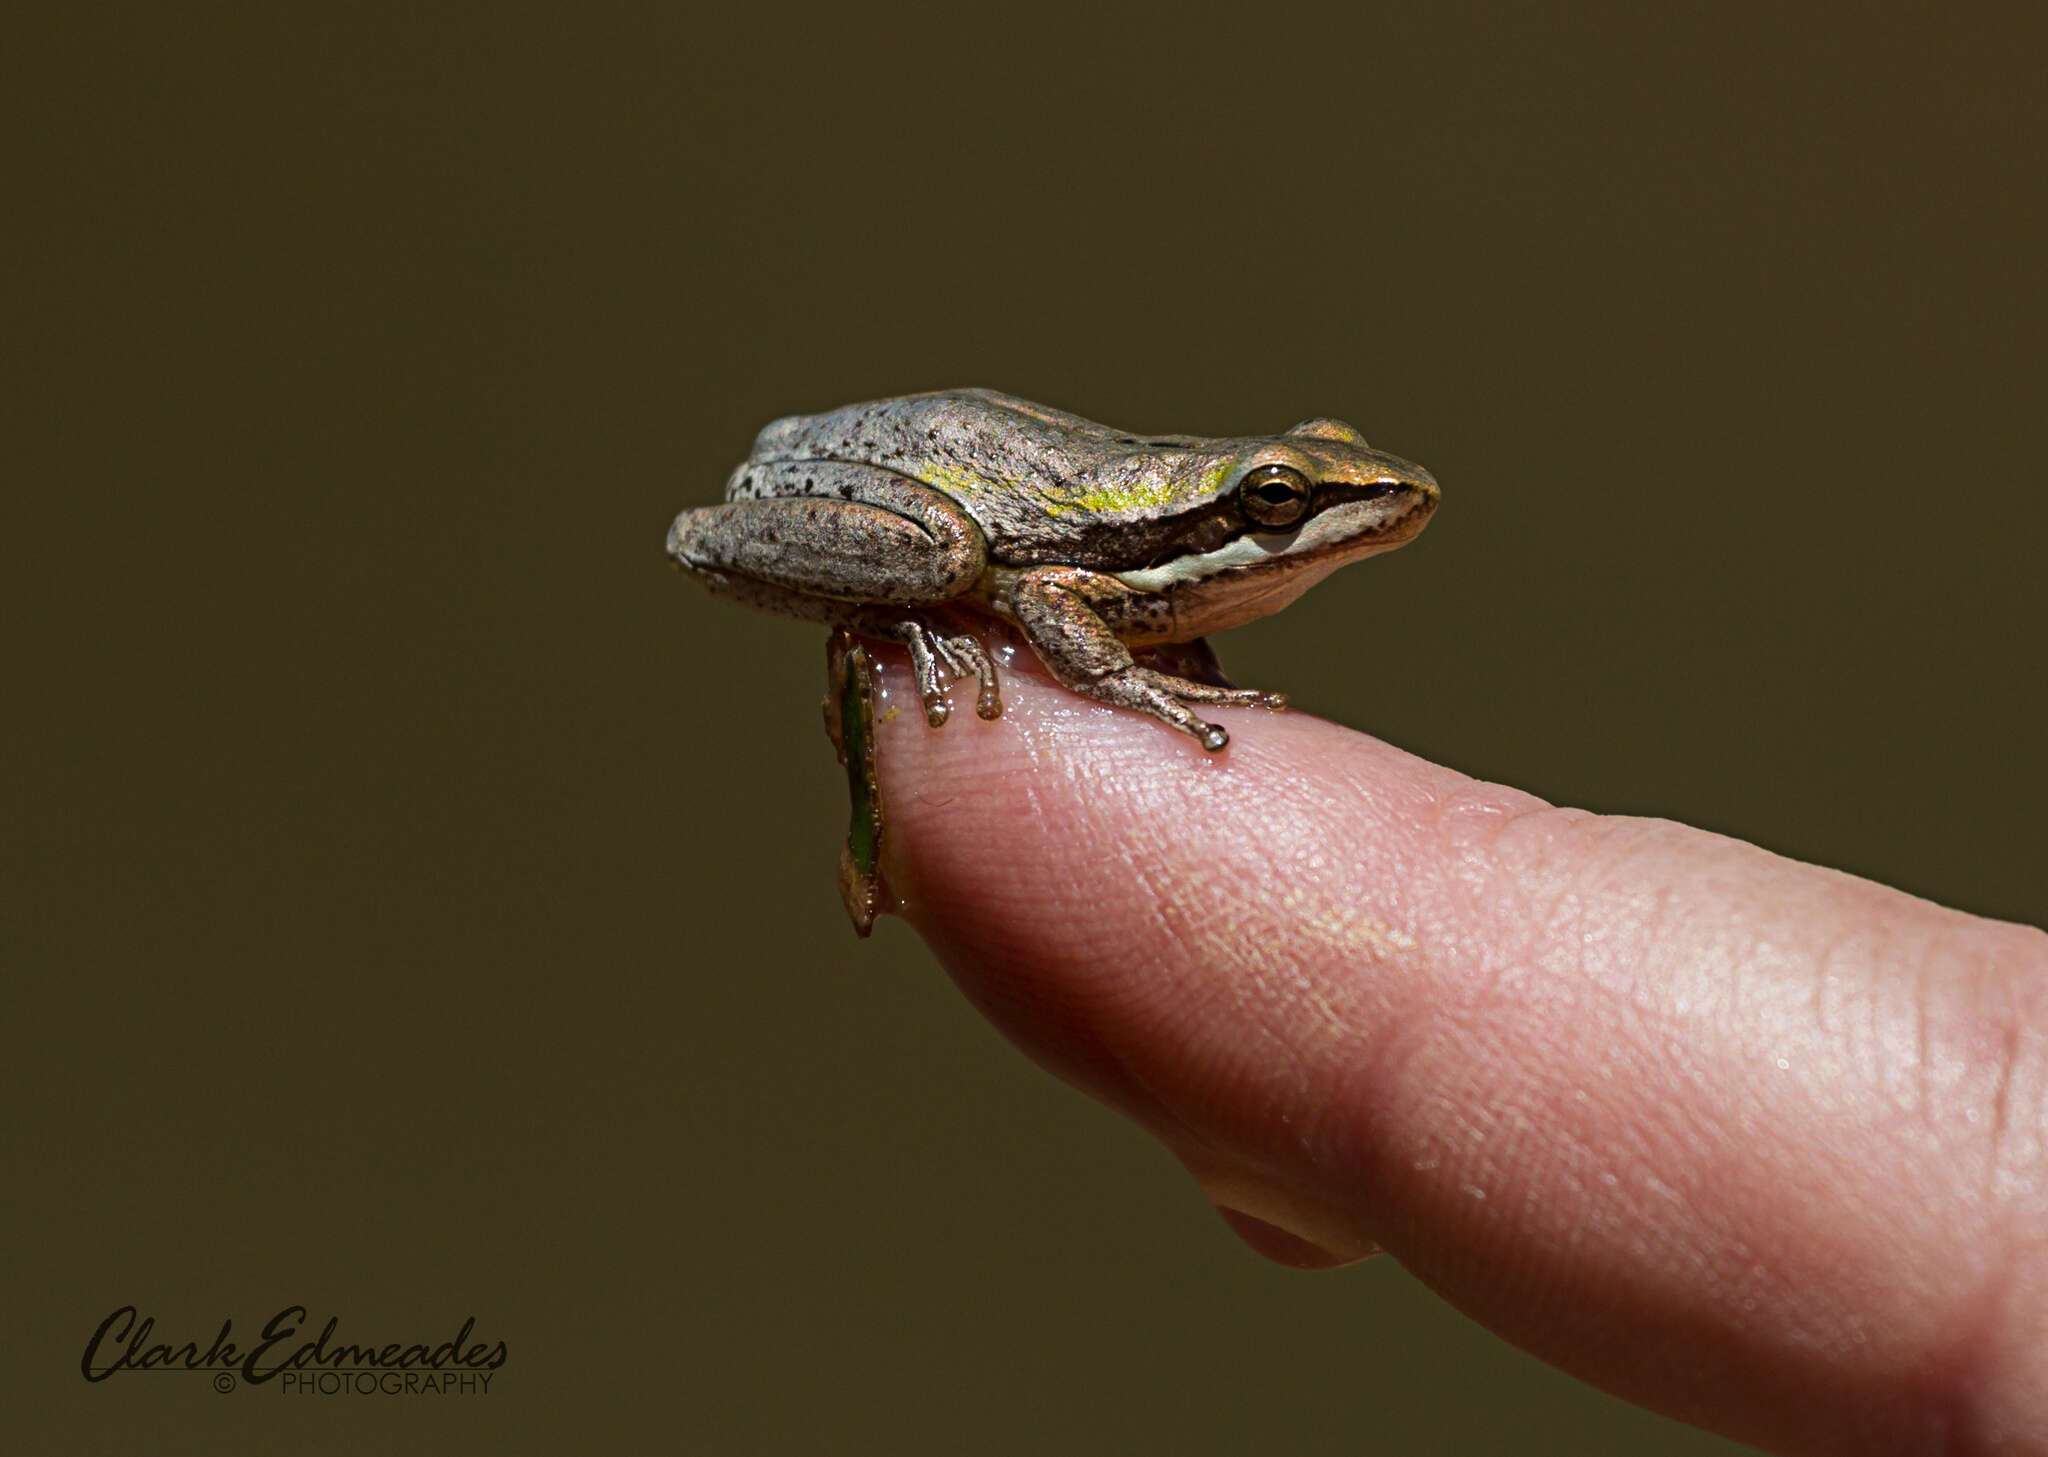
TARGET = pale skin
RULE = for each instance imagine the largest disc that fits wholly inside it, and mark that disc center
(1755, 1144)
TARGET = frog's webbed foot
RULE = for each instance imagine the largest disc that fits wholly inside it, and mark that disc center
(1166, 698)
(939, 660)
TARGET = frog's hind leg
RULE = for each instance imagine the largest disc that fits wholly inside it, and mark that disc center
(938, 660)
(848, 533)
(851, 546)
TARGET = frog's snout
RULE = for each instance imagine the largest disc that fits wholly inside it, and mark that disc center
(1404, 497)
(1396, 473)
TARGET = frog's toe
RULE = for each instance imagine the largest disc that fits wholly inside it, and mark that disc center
(1188, 691)
(937, 661)
(967, 657)
(927, 667)
(1247, 698)
(1157, 695)
(963, 656)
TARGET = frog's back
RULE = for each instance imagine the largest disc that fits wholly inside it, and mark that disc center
(1017, 468)
(930, 436)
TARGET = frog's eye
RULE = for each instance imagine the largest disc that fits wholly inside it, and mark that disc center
(1273, 496)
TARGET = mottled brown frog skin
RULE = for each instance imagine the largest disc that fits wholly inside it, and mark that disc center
(902, 518)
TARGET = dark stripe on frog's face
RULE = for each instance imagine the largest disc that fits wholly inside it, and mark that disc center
(1361, 502)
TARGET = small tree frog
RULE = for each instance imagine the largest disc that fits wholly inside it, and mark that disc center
(903, 519)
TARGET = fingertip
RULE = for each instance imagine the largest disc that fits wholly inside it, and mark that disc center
(1531, 1050)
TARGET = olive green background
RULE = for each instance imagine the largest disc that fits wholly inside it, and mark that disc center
(418, 901)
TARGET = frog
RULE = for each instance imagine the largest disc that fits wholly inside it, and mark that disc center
(931, 519)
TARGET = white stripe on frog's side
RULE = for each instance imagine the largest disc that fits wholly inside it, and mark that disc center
(1244, 551)
(1318, 546)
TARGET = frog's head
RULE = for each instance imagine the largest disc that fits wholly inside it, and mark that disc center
(1276, 517)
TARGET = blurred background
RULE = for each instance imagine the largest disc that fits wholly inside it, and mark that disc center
(418, 902)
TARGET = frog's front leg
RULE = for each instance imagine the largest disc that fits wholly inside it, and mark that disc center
(852, 546)
(1058, 609)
